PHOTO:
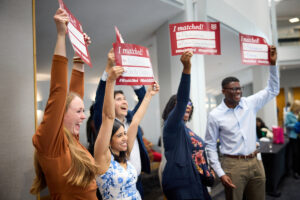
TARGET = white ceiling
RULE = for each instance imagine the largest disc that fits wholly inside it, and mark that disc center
(286, 9)
(137, 23)
(136, 20)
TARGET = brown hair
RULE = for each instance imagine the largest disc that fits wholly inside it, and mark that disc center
(295, 106)
(82, 170)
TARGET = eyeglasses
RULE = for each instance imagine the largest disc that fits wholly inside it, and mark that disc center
(235, 89)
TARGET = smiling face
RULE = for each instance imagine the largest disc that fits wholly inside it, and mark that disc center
(74, 115)
(119, 141)
(233, 93)
(121, 106)
(187, 112)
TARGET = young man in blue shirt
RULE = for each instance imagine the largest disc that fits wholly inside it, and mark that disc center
(233, 122)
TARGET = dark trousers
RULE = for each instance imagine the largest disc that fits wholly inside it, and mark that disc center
(98, 194)
(139, 186)
(294, 155)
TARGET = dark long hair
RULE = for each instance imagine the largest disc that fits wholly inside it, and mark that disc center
(171, 104)
(91, 133)
(122, 157)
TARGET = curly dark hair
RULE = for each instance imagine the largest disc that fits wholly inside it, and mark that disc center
(171, 104)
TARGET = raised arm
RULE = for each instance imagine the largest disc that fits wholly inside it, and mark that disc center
(272, 90)
(102, 153)
(77, 77)
(140, 92)
(101, 91)
(50, 131)
(138, 116)
(183, 93)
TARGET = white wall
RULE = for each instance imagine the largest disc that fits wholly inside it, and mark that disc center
(248, 17)
(17, 100)
(290, 78)
(289, 55)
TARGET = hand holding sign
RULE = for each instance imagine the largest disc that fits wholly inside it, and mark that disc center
(111, 59)
(87, 39)
(273, 55)
(61, 19)
(76, 35)
(186, 61)
(153, 89)
(186, 58)
(114, 73)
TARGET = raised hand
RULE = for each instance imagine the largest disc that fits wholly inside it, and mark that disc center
(61, 19)
(186, 61)
(78, 62)
(115, 72)
(273, 55)
(87, 39)
(153, 89)
(111, 57)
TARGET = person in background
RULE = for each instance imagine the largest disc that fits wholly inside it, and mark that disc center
(60, 161)
(184, 150)
(139, 156)
(290, 122)
(153, 155)
(117, 177)
(233, 123)
(91, 131)
(91, 136)
(261, 129)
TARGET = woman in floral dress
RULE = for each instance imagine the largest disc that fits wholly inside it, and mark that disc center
(117, 179)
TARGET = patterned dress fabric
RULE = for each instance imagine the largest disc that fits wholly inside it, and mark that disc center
(198, 155)
(118, 182)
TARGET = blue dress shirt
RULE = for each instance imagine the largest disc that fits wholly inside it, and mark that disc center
(236, 127)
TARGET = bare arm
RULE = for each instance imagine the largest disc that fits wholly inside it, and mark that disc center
(101, 150)
(138, 116)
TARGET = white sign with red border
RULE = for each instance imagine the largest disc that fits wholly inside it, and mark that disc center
(136, 61)
(75, 33)
(200, 37)
(254, 50)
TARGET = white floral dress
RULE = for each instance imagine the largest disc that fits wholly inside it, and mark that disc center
(118, 182)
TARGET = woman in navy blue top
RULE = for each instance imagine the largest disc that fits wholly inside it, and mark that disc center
(184, 150)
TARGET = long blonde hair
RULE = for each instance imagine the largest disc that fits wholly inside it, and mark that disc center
(83, 169)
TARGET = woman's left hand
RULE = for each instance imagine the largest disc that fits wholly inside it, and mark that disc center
(87, 39)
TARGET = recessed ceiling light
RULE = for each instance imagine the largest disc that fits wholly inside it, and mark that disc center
(294, 20)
